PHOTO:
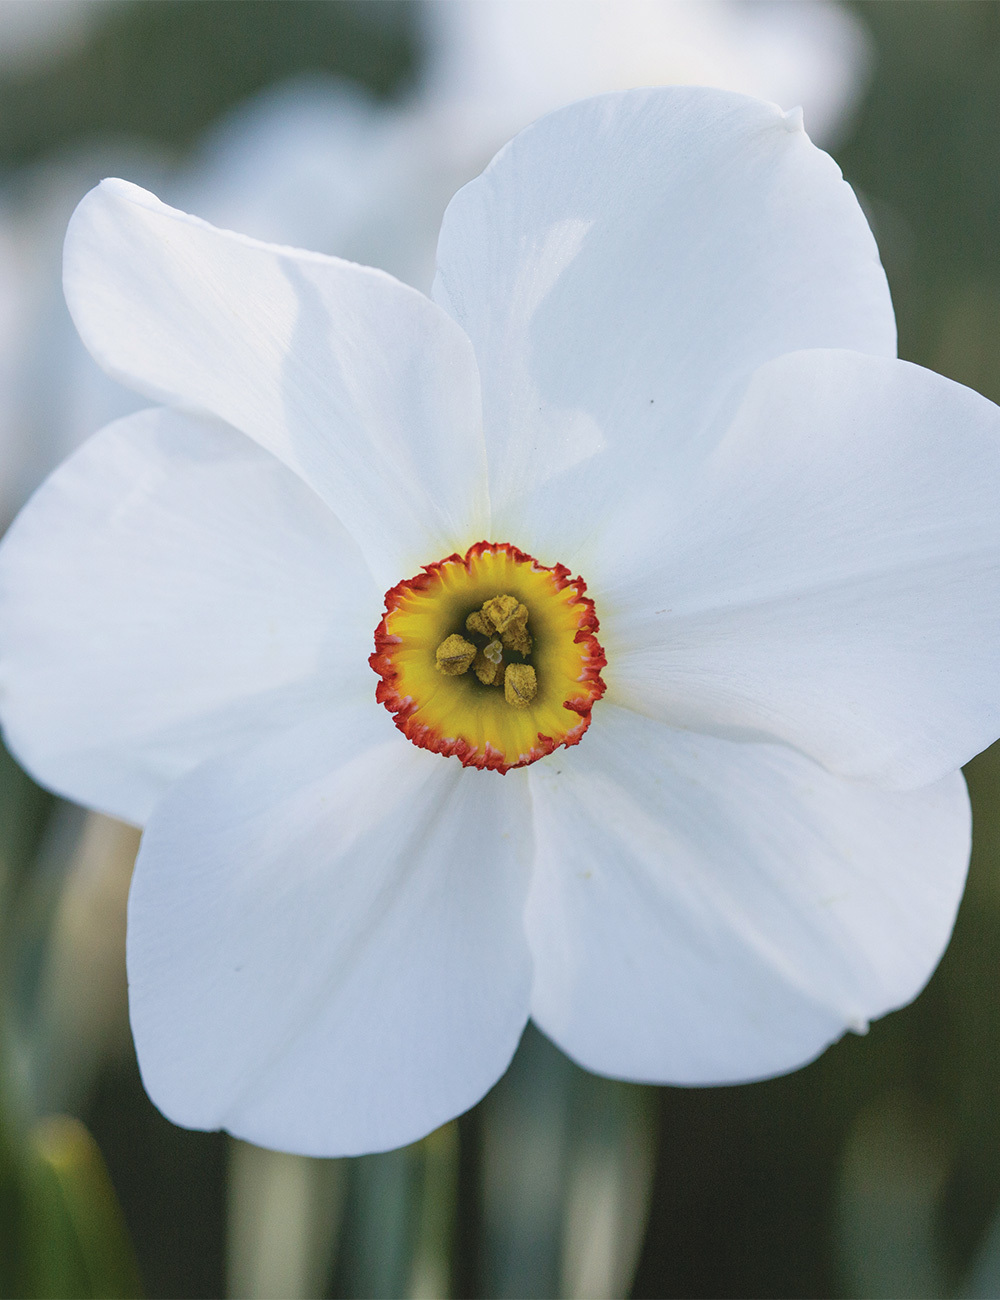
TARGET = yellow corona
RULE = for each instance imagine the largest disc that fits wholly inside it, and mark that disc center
(490, 657)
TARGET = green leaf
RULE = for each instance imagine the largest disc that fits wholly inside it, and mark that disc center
(75, 1240)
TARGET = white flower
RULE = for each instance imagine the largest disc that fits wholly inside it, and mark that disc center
(496, 64)
(34, 35)
(661, 352)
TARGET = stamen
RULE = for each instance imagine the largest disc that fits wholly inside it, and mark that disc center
(501, 609)
(506, 615)
(489, 671)
(515, 633)
(477, 622)
(504, 619)
(520, 686)
(454, 655)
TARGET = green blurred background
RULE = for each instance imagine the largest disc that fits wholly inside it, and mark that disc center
(876, 1170)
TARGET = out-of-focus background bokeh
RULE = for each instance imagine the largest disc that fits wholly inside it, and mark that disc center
(345, 127)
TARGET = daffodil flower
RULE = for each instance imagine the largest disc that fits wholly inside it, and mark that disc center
(681, 594)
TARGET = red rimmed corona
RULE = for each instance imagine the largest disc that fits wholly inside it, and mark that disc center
(490, 657)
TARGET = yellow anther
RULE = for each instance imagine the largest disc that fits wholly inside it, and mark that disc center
(520, 686)
(515, 633)
(476, 622)
(501, 609)
(503, 620)
(454, 655)
(489, 672)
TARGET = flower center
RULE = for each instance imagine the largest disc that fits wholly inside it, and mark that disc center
(501, 625)
(491, 657)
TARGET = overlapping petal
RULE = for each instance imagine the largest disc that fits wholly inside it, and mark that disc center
(621, 268)
(829, 579)
(326, 945)
(358, 383)
(171, 592)
(708, 912)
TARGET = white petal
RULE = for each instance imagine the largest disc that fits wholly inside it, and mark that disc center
(326, 945)
(830, 578)
(358, 383)
(621, 268)
(170, 593)
(707, 912)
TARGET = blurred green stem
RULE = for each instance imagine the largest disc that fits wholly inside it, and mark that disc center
(283, 1220)
(567, 1175)
(75, 1242)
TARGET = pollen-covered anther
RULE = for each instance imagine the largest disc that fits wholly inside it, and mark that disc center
(520, 685)
(464, 676)
(478, 622)
(454, 655)
(515, 634)
(506, 616)
(501, 609)
(489, 671)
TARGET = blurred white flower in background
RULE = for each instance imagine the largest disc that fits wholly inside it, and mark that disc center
(371, 182)
(318, 163)
(495, 65)
(17, 301)
(33, 33)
